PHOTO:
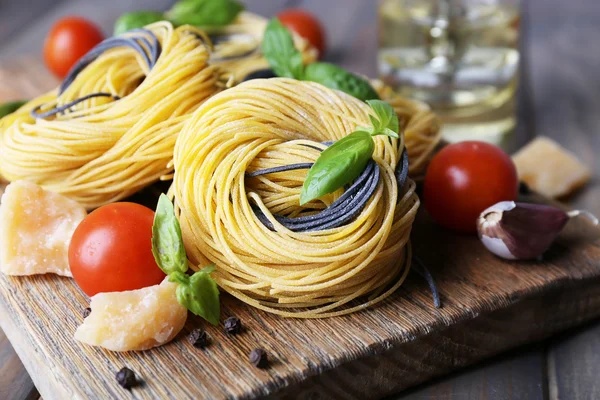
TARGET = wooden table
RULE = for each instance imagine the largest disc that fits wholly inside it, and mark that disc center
(559, 98)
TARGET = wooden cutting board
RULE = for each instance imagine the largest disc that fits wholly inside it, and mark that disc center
(488, 306)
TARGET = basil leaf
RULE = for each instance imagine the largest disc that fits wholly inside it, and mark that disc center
(137, 19)
(200, 295)
(179, 277)
(167, 242)
(204, 12)
(339, 164)
(335, 77)
(278, 48)
(386, 121)
(9, 108)
(375, 122)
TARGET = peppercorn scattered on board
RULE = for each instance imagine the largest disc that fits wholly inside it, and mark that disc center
(488, 305)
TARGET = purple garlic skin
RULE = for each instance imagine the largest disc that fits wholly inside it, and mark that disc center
(520, 231)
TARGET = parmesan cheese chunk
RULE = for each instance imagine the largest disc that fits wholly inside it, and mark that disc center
(135, 319)
(36, 227)
(549, 169)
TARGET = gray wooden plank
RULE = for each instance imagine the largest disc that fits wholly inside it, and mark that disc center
(30, 39)
(14, 15)
(269, 8)
(517, 375)
(15, 382)
(566, 89)
(561, 112)
(565, 81)
(351, 28)
(520, 374)
(573, 361)
(525, 129)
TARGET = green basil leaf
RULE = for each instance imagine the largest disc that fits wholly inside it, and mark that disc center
(167, 242)
(386, 121)
(375, 122)
(179, 277)
(9, 108)
(339, 164)
(200, 295)
(204, 12)
(335, 77)
(389, 132)
(134, 20)
(278, 48)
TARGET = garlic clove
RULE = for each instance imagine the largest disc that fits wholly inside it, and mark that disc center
(521, 231)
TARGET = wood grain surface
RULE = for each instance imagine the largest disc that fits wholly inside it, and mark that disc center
(566, 88)
(489, 306)
(559, 98)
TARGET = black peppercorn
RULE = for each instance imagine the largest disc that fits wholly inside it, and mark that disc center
(87, 312)
(233, 325)
(258, 358)
(126, 378)
(198, 338)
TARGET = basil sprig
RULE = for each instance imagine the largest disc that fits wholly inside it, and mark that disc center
(198, 293)
(278, 48)
(286, 61)
(9, 108)
(136, 19)
(343, 161)
(204, 12)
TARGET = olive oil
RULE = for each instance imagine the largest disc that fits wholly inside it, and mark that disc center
(459, 56)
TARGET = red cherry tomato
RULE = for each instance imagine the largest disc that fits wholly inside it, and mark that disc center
(68, 40)
(111, 250)
(464, 179)
(306, 25)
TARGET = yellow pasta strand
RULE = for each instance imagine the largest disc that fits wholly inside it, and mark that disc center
(103, 150)
(246, 33)
(276, 122)
(421, 127)
(422, 132)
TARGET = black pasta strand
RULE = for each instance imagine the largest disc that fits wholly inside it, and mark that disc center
(114, 42)
(56, 110)
(344, 209)
(155, 47)
(424, 272)
(143, 41)
(282, 168)
(341, 202)
(401, 171)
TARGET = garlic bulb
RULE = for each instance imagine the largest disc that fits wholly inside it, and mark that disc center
(521, 231)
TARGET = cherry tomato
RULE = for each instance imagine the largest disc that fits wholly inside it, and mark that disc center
(464, 179)
(111, 250)
(68, 40)
(306, 25)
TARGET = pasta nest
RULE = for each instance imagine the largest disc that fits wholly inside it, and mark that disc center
(316, 273)
(108, 147)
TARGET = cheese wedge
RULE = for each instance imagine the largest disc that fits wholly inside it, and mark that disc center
(133, 320)
(36, 227)
(549, 169)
